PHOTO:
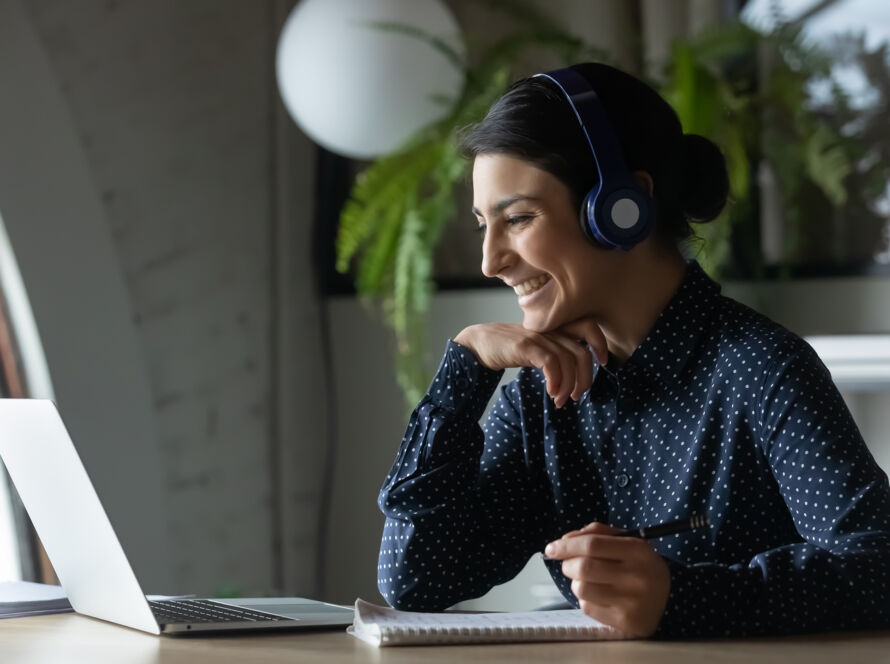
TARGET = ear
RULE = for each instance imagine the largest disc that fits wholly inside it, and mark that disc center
(644, 181)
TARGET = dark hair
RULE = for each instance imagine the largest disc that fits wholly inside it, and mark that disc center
(533, 121)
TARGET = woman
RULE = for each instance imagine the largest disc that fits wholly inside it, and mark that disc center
(694, 404)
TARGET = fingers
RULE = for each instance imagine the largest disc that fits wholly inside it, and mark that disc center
(569, 369)
(630, 596)
(566, 364)
(582, 368)
(605, 604)
(559, 362)
(596, 546)
(599, 594)
(586, 329)
(545, 355)
(620, 581)
(594, 570)
(580, 338)
(596, 527)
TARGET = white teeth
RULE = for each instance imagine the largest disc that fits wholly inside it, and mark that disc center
(531, 285)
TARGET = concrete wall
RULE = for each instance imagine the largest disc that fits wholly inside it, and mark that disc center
(55, 222)
(180, 202)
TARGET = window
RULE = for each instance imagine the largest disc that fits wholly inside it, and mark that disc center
(858, 362)
(23, 372)
(10, 386)
(10, 558)
(838, 27)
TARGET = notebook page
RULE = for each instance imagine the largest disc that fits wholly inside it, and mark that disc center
(381, 625)
(387, 617)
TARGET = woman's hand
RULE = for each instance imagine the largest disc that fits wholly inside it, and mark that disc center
(620, 581)
(563, 354)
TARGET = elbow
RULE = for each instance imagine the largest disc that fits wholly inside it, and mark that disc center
(408, 595)
(397, 594)
(388, 591)
(393, 580)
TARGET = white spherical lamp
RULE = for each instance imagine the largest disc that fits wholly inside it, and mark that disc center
(360, 89)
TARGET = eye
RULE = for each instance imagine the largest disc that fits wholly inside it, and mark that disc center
(518, 219)
(480, 229)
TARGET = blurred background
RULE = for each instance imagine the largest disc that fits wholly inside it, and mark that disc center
(233, 245)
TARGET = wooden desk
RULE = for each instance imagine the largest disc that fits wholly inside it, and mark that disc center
(74, 639)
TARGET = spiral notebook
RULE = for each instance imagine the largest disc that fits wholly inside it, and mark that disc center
(383, 626)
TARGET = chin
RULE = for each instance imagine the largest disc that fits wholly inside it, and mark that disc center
(538, 323)
(549, 318)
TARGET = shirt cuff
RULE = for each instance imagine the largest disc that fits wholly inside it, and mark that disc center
(462, 384)
(673, 621)
(708, 599)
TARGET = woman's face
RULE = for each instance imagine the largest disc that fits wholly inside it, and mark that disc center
(533, 241)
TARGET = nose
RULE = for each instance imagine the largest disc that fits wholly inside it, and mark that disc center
(497, 255)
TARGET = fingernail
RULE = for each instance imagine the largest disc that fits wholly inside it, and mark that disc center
(549, 550)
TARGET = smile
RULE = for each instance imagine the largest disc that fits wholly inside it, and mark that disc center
(530, 286)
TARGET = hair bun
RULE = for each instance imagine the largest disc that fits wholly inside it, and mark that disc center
(706, 181)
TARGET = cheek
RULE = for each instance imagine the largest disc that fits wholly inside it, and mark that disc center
(577, 267)
(550, 250)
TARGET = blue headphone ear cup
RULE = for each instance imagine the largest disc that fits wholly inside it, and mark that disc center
(589, 221)
(618, 219)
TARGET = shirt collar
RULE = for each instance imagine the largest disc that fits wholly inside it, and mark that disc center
(677, 330)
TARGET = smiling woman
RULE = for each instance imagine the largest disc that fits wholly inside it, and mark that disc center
(534, 243)
(643, 396)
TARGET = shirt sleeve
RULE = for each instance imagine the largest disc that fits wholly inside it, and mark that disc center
(838, 577)
(459, 510)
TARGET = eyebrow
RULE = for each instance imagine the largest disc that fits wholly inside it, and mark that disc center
(500, 206)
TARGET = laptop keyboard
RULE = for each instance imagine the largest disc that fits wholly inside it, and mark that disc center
(204, 611)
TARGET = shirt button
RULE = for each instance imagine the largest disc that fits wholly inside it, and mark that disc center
(622, 480)
(462, 383)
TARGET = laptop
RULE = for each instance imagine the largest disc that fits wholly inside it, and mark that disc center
(87, 555)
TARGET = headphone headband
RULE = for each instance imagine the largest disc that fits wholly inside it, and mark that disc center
(616, 213)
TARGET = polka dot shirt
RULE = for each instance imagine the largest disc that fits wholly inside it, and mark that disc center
(719, 411)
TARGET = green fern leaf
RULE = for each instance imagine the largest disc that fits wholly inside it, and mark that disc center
(409, 245)
(827, 164)
(376, 261)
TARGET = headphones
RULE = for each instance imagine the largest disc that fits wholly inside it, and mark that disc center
(616, 213)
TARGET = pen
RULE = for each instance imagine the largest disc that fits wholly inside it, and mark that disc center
(670, 528)
(662, 529)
